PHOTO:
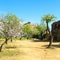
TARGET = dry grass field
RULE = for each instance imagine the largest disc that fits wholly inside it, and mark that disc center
(30, 50)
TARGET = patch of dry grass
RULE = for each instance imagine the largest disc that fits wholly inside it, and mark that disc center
(29, 50)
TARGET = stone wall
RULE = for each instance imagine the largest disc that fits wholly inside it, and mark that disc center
(56, 31)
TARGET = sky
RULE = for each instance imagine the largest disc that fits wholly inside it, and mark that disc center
(30, 10)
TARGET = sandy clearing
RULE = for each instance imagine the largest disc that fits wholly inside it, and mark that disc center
(35, 51)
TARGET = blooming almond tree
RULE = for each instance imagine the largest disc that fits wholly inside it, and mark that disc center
(10, 26)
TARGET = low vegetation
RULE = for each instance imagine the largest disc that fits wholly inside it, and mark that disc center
(28, 49)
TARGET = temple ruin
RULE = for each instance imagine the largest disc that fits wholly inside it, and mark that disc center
(56, 31)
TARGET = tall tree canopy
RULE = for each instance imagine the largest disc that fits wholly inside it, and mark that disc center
(48, 18)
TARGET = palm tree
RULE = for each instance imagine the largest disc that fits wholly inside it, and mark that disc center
(48, 18)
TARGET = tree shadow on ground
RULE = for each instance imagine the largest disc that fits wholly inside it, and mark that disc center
(57, 46)
(11, 47)
(39, 40)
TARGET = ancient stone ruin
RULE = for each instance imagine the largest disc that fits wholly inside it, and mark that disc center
(56, 31)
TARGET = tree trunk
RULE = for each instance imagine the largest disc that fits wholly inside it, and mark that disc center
(41, 36)
(51, 40)
(27, 38)
(20, 38)
(47, 26)
(2, 45)
(11, 39)
(6, 40)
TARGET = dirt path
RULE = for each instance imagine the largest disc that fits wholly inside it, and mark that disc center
(36, 51)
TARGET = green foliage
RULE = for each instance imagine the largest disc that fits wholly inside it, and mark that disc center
(11, 25)
(24, 38)
(34, 30)
(41, 28)
(27, 28)
(48, 18)
(31, 29)
(13, 21)
(16, 38)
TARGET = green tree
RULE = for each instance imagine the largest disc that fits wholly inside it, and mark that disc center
(48, 18)
(10, 27)
(27, 28)
(14, 25)
(42, 29)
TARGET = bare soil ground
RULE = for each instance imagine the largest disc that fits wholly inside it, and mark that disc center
(35, 51)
